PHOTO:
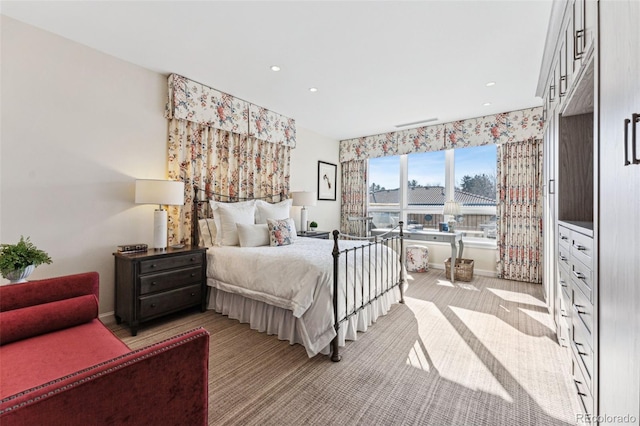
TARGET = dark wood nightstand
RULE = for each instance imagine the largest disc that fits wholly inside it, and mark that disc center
(323, 235)
(152, 284)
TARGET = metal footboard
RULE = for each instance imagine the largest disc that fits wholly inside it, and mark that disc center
(372, 273)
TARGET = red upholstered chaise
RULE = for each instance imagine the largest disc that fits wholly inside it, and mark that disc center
(60, 365)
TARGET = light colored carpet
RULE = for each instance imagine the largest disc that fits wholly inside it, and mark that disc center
(477, 353)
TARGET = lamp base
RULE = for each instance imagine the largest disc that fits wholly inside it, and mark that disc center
(303, 219)
(160, 229)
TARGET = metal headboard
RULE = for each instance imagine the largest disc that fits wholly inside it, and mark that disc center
(221, 198)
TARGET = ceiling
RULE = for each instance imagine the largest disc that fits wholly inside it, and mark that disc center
(376, 64)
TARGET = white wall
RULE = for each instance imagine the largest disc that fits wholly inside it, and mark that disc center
(312, 148)
(78, 127)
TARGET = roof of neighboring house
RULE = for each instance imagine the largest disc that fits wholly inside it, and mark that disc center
(428, 196)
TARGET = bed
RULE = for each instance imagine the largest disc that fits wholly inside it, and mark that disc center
(318, 293)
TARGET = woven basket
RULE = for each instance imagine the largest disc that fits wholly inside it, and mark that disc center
(463, 271)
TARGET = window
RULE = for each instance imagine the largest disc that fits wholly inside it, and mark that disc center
(429, 179)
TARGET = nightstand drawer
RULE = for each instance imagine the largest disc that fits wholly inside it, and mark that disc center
(167, 280)
(161, 264)
(159, 304)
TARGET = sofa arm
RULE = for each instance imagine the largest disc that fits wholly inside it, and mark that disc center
(165, 383)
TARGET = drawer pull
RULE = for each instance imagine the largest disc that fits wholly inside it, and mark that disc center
(563, 258)
(153, 283)
(577, 383)
(579, 275)
(153, 265)
(579, 247)
(577, 309)
(193, 294)
(193, 259)
(563, 283)
(562, 237)
(153, 305)
(193, 275)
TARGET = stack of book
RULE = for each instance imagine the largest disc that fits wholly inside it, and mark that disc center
(132, 248)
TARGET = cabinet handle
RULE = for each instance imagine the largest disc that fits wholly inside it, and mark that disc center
(635, 118)
(579, 275)
(193, 294)
(563, 88)
(564, 238)
(552, 93)
(626, 142)
(153, 283)
(577, 383)
(563, 283)
(563, 258)
(193, 259)
(577, 309)
(153, 305)
(579, 36)
(193, 275)
(153, 265)
(552, 186)
(580, 247)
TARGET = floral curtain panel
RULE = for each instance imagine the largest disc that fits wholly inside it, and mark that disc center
(493, 129)
(354, 193)
(519, 211)
(221, 162)
(193, 101)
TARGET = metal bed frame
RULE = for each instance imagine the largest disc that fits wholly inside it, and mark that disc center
(391, 276)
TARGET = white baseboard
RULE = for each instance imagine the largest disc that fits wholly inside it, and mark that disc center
(108, 318)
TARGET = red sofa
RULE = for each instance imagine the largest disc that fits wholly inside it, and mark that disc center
(60, 365)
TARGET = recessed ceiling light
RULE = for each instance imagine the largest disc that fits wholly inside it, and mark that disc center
(275, 68)
(491, 83)
(313, 89)
(486, 104)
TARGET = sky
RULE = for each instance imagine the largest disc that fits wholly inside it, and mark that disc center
(428, 168)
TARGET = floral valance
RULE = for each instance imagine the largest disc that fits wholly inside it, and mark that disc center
(193, 101)
(492, 129)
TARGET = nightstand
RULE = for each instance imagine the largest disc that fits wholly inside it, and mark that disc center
(152, 284)
(323, 235)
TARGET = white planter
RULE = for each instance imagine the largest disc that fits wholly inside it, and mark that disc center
(20, 276)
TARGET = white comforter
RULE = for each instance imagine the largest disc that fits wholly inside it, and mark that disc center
(299, 278)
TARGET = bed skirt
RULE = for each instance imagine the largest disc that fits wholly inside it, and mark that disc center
(277, 321)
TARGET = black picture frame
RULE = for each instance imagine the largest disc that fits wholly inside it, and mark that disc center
(327, 181)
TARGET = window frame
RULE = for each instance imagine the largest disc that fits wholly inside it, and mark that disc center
(404, 209)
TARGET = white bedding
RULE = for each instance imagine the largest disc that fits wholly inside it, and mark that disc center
(299, 278)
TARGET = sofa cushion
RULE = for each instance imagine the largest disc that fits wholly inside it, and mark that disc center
(47, 357)
(23, 323)
(16, 296)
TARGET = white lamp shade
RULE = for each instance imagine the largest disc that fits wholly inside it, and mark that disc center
(161, 192)
(451, 208)
(304, 198)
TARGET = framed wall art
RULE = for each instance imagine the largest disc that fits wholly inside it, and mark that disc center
(327, 177)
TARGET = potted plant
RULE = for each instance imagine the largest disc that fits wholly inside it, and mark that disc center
(313, 226)
(17, 261)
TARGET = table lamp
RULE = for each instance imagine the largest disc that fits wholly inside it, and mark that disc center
(162, 193)
(451, 208)
(304, 199)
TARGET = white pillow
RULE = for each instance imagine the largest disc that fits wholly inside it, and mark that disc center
(264, 210)
(229, 215)
(253, 235)
(207, 231)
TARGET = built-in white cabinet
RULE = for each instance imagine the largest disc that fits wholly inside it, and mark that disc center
(619, 210)
(590, 83)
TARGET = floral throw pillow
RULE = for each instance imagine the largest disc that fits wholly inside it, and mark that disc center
(281, 232)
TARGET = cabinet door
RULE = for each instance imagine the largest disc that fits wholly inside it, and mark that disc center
(619, 227)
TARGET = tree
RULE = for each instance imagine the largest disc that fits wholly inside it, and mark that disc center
(375, 187)
(483, 185)
(413, 184)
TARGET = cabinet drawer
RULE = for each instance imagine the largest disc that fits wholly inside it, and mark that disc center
(582, 248)
(164, 263)
(173, 300)
(582, 348)
(582, 278)
(564, 238)
(563, 257)
(584, 394)
(172, 279)
(583, 309)
(565, 288)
